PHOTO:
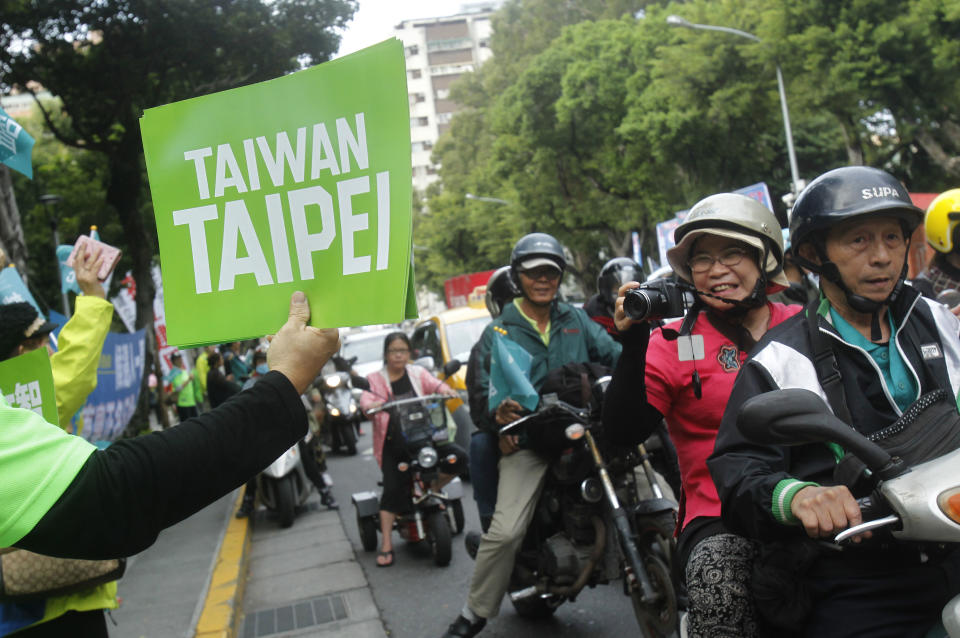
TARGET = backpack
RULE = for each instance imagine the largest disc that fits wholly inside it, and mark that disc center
(573, 383)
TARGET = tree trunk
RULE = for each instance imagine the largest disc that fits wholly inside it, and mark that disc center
(12, 243)
(949, 163)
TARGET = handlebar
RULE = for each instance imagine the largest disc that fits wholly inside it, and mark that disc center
(550, 410)
(396, 402)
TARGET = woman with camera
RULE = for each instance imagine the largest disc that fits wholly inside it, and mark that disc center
(729, 253)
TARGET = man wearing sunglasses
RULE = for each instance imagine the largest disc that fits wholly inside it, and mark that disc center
(554, 333)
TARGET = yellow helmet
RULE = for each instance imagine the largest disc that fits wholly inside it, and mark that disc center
(942, 218)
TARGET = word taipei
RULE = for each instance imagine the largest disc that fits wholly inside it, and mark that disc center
(237, 224)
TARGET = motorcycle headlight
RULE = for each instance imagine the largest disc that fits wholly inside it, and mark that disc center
(949, 503)
(353, 408)
(574, 431)
(334, 412)
(331, 381)
(427, 458)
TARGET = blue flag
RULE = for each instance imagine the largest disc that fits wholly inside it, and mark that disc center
(16, 145)
(510, 374)
(12, 288)
(68, 278)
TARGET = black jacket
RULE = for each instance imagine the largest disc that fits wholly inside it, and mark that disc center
(756, 481)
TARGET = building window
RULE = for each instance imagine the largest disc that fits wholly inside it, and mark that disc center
(484, 44)
(442, 94)
(427, 145)
(415, 74)
(419, 121)
(413, 49)
(419, 97)
(431, 170)
(444, 118)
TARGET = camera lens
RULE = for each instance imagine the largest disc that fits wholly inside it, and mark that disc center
(637, 304)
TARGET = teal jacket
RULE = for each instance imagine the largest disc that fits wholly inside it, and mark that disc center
(574, 338)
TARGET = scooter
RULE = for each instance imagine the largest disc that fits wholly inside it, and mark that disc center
(591, 526)
(283, 486)
(343, 413)
(913, 503)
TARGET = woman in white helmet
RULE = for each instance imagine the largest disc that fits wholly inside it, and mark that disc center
(729, 250)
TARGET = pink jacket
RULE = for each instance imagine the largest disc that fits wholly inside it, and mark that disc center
(423, 383)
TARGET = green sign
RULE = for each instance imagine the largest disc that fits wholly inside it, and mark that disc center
(297, 183)
(27, 382)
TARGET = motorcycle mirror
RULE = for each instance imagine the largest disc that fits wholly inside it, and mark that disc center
(949, 297)
(360, 382)
(451, 367)
(796, 416)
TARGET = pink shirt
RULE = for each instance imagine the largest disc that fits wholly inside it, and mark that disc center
(693, 422)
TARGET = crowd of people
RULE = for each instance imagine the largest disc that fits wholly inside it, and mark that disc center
(827, 307)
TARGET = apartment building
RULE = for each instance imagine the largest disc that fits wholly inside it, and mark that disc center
(438, 51)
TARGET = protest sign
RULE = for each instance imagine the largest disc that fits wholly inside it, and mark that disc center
(298, 183)
(109, 407)
(27, 382)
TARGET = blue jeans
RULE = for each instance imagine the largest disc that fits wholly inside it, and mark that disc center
(484, 457)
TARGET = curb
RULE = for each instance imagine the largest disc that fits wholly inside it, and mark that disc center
(222, 608)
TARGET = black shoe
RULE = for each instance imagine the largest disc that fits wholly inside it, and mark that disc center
(326, 498)
(246, 509)
(463, 628)
(472, 543)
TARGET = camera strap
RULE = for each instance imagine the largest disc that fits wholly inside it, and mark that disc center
(825, 363)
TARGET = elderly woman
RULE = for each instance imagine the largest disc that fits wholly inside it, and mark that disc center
(396, 380)
(730, 250)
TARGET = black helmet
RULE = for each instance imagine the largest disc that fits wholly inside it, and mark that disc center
(614, 274)
(848, 192)
(534, 250)
(842, 194)
(500, 290)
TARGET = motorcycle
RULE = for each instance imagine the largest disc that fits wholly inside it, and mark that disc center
(590, 525)
(283, 485)
(343, 413)
(919, 502)
(435, 516)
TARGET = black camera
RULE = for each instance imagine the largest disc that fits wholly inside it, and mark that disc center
(654, 300)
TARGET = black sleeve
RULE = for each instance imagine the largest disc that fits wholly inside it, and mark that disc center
(123, 496)
(477, 391)
(627, 417)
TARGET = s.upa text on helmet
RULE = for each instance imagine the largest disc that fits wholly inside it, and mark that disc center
(254, 200)
(879, 191)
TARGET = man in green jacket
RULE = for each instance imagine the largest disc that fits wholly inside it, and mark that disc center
(74, 367)
(182, 382)
(555, 334)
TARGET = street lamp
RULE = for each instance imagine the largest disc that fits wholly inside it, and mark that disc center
(798, 184)
(50, 202)
(491, 200)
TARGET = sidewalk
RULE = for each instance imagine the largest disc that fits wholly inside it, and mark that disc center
(305, 580)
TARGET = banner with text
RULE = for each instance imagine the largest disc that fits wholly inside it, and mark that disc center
(109, 407)
(27, 382)
(298, 183)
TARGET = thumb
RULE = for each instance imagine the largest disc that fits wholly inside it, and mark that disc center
(299, 309)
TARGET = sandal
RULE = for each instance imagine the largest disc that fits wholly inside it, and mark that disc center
(389, 555)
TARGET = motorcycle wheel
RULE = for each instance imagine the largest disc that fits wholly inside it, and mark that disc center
(660, 619)
(349, 438)
(286, 503)
(455, 508)
(368, 532)
(441, 542)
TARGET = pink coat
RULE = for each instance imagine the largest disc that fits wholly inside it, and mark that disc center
(423, 383)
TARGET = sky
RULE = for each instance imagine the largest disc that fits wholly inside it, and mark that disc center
(374, 20)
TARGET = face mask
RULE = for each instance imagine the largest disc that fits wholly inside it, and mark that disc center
(263, 368)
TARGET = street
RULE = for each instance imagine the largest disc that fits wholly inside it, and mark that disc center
(417, 599)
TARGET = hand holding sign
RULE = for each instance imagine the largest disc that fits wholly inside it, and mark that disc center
(87, 261)
(298, 351)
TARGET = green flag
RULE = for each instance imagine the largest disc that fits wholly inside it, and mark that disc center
(510, 374)
(297, 183)
(27, 382)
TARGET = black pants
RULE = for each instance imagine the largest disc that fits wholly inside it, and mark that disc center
(396, 495)
(81, 624)
(187, 412)
(879, 594)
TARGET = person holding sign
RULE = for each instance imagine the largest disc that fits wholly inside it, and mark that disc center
(74, 368)
(63, 497)
(554, 334)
